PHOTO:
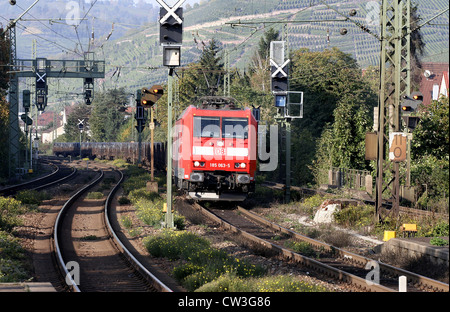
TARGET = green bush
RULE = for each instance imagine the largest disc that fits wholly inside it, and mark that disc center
(355, 216)
(437, 241)
(175, 245)
(441, 229)
(11, 260)
(31, 197)
(123, 200)
(142, 193)
(150, 212)
(10, 209)
(302, 247)
(94, 195)
(127, 222)
(310, 204)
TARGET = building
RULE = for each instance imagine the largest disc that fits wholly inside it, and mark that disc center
(434, 81)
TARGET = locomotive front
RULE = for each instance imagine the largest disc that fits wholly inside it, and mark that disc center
(216, 151)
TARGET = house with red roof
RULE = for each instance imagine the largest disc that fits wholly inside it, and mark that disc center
(434, 81)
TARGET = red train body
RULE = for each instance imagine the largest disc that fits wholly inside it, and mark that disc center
(215, 150)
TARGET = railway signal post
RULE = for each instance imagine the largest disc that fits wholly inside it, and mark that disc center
(171, 37)
(289, 103)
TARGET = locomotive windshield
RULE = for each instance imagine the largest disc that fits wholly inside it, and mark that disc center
(236, 128)
(207, 127)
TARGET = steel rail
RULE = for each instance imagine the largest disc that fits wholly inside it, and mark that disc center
(352, 257)
(137, 265)
(74, 171)
(153, 280)
(19, 186)
(61, 263)
(306, 261)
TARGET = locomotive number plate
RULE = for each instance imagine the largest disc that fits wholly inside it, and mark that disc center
(220, 165)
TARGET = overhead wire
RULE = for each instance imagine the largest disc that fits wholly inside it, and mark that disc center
(52, 30)
(24, 28)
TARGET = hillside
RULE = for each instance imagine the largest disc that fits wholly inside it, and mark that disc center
(134, 49)
(141, 48)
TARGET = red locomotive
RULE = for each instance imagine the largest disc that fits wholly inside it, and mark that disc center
(215, 148)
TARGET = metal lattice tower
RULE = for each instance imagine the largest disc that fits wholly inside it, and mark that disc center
(14, 129)
(394, 83)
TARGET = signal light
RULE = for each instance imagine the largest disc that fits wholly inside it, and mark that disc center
(150, 96)
(410, 105)
(407, 108)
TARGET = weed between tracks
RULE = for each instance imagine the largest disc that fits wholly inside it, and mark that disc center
(205, 268)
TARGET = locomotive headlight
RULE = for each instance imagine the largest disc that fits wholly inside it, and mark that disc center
(197, 164)
(240, 165)
(243, 165)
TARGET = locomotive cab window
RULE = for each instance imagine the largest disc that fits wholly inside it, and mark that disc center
(207, 127)
(235, 128)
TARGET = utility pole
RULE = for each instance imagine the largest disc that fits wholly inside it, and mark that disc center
(394, 84)
(152, 144)
(14, 129)
(169, 216)
(171, 38)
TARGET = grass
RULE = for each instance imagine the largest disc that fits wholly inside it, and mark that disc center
(202, 267)
(13, 265)
(94, 195)
(12, 255)
(31, 197)
(202, 263)
(280, 283)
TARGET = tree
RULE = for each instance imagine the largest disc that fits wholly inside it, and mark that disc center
(107, 115)
(71, 130)
(338, 110)
(417, 49)
(259, 74)
(4, 60)
(211, 66)
(431, 136)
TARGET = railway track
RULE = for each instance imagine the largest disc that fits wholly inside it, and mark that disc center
(59, 175)
(90, 254)
(337, 263)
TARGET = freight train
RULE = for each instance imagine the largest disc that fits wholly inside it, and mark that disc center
(110, 151)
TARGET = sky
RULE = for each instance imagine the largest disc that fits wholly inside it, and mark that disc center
(170, 2)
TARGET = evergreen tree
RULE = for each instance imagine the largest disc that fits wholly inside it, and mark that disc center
(107, 115)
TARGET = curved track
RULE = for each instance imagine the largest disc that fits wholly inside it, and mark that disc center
(59, 174)
(89, 253)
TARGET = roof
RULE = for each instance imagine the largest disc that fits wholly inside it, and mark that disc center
(435, 75)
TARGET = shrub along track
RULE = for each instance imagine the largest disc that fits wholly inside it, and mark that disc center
(334, 262)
